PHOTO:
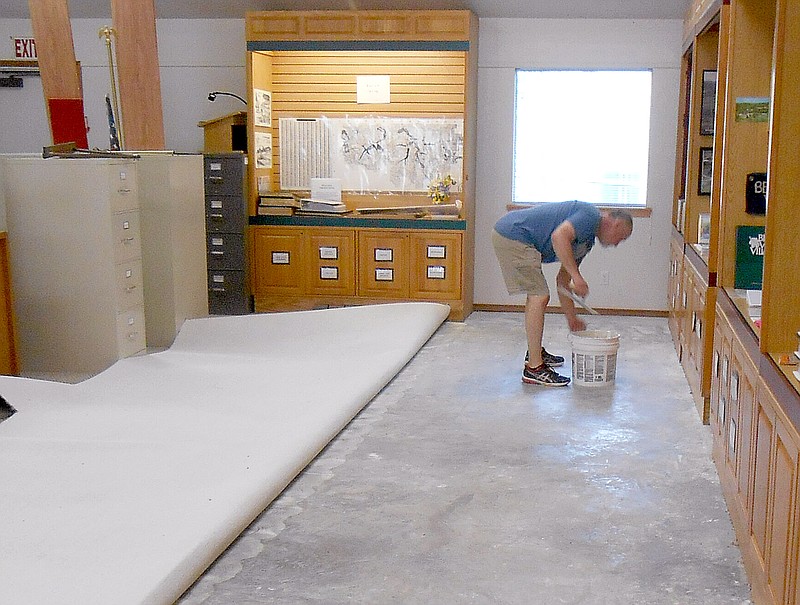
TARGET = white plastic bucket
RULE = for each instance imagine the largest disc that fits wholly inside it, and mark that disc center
(594, 357)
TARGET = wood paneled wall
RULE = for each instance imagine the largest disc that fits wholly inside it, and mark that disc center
(323, 84)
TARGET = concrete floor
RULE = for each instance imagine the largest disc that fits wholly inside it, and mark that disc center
(459, 484)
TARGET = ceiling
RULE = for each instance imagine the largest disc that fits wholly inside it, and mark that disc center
(235, 9)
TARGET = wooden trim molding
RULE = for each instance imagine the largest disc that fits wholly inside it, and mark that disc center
(635, 212)
(552, 309)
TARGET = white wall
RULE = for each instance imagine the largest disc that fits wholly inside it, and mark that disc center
(638, 268)
(196, 57)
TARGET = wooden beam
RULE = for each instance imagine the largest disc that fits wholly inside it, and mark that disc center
(61, 81)
(138, 73)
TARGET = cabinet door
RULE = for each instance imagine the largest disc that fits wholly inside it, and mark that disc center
(780, 522)
(383, 264)
(436, 265)
(278, 259)
(331, 266)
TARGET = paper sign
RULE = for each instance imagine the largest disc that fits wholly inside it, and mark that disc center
(326, 189)
(372, 89)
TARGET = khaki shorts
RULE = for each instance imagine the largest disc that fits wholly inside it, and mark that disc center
(521, 266)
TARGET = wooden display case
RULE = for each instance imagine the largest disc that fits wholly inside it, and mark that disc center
(309, 64)
(754, 397)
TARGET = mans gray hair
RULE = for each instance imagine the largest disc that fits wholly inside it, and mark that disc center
(623, 215)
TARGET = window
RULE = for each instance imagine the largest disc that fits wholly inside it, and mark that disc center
(582, 135)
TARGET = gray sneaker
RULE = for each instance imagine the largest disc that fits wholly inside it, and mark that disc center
(544, 375)
(554, 361)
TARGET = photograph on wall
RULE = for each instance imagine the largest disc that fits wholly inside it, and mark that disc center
(706, 172)
(752, 109)
(708, 101)
(263, 150)
(262, 108)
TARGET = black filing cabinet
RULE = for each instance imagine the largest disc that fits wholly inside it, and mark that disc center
(226, 233)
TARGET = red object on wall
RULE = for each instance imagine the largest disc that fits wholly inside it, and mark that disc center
(67, 122)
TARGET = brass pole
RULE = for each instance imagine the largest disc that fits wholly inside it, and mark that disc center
(106, 32)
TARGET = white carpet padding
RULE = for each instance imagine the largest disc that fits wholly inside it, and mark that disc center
(125, 487)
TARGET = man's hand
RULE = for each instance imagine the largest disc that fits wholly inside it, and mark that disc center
(576, 324)
(580, 287)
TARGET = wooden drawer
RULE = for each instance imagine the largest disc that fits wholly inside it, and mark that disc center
(383, 264)
(331, 263)
(436, 265)
(278, 260)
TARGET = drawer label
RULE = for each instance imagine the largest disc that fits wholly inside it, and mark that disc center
(329, 272)
(383, 254)
(216, 204)
(437, 251)
(280, 258)
(384, 274)
(217, 241)
(218, 279)
(329, 252)
(215, 166)
(436, 272)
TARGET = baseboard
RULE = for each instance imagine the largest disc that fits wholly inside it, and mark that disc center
(521, 308)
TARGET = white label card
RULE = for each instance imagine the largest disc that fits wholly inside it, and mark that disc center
(218, 279)
(215, 166)
(436, 272)
(384, 274)
(216, 204)
(437, 251)
(329, 272)
(383, 254)
(216, 241)
(329, 252)
(280, 258)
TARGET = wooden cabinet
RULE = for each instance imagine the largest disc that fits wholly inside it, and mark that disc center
(313, 63)
(754, 407)
(435, 265)
(303, 267)
(675, 302)
(383, 264)
(331, 255)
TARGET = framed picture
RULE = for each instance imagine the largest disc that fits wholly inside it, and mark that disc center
(708, 101)
(706, 171)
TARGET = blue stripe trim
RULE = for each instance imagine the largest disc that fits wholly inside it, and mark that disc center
(347, 221)
(447, 45)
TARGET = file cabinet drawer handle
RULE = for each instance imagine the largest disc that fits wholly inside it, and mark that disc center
(215, 179)
(216, 217)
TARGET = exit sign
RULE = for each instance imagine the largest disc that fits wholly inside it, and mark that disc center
(24, 48)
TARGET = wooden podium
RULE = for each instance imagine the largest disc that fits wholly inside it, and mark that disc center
(226, 133)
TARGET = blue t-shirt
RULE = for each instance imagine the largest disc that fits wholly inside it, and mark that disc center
(533, 226)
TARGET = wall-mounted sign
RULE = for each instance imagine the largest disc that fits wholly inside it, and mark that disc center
(372, 89)
(24, 48)
(755, 193)
(748, 274)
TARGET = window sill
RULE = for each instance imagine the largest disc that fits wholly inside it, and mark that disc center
(635, 211)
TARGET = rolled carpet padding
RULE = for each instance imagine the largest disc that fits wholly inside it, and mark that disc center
(125, 487)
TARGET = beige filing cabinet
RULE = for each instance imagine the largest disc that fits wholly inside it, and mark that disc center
(76, 260)
(174, 237)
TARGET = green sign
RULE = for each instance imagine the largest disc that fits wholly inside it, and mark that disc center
(749, 257)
